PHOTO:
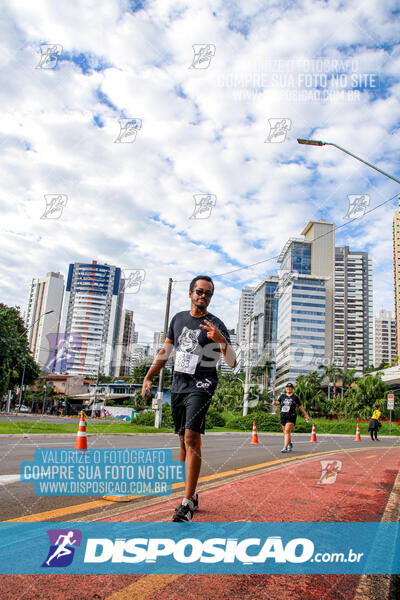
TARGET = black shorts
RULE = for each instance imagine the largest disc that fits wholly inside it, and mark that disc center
(189, 411)
(287, 419)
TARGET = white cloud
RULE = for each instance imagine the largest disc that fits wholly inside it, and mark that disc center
(129, 204)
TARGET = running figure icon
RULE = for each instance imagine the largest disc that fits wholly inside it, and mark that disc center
(62, 549)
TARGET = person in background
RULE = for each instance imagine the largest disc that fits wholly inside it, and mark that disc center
(289, 402)
(374, 424)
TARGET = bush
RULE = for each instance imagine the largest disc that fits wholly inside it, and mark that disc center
(264, 422)
(214, 418)
(146, 418)
(167, 420)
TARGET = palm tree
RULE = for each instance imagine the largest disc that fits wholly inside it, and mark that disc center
(263, 369)
(308, 390)
(360, 398)
(330, 372)
(347, 378)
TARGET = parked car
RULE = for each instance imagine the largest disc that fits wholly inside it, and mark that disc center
(23, 408)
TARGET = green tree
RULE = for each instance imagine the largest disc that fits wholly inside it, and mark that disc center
(369, 369)
(262, 370)
(104, 378)
(229, 393)
(311, 396)
(331, 373)
(14, 350)
(346, 378)
(140, 370)
(361, 398)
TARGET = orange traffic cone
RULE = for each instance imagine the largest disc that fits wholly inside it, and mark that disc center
(81, 439)
(254, 436)
(358, 436)
(313, 437)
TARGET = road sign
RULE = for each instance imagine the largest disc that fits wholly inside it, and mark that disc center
(390, 402)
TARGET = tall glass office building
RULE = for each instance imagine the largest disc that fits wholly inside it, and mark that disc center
(296, 257)
(305, 297)
(265, 320)
(301, 326)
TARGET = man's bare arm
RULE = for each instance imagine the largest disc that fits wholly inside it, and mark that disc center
(158, 363)
(229, 354)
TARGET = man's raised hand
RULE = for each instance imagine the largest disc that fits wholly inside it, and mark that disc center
(213, 333)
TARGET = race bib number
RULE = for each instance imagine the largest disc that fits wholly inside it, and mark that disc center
(285, 408)
(186, 362)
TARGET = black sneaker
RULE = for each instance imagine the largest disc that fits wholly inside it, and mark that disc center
(183, 514)
(195, 502)
(290, 447)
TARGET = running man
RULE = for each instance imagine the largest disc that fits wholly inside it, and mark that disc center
(62, 550)
(289, 402)
(198, 338)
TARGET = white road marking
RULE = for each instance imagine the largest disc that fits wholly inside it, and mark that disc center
(5, 479)
(38, 444)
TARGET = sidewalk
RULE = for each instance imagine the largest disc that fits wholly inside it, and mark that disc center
(290, 492)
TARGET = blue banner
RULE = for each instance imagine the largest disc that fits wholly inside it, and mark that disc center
(143, 472)
(200, 548)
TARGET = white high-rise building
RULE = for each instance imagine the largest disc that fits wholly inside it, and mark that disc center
(46, 294)
(158, 341)
(353, 310)
(246, 304)
(384, 338)
(124, 347)
(139, 353)
(91, 319)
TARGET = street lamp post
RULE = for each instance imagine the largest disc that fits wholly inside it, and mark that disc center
(95, 390)
(320, 143)
(247, 371)
(44, 399)
(249, 321)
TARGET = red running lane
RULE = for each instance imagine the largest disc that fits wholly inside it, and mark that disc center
(290, 493)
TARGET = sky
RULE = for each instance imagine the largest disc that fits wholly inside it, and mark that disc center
(160, 136)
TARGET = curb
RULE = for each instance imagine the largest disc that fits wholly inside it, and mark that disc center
(383, 587)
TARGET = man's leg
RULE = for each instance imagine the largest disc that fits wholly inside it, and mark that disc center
(193, 461)
(182, 449)
(371, 431)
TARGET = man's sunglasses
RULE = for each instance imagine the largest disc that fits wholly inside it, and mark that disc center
(206, 293)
